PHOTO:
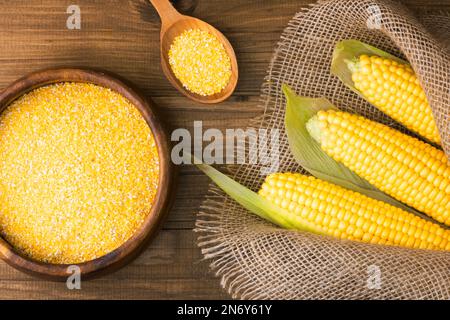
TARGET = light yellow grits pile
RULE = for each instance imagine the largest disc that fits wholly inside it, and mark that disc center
(199, 60)
(78, 172)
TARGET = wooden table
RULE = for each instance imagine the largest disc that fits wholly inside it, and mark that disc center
(123, 37)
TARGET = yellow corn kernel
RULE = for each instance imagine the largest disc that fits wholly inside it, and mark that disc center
(404, 167)
(352, 215)
(396, 91)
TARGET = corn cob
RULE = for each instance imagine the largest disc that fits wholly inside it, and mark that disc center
(404, 167)
(394, 88)
(345, 214)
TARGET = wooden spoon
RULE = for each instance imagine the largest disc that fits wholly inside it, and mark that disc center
(173, 24)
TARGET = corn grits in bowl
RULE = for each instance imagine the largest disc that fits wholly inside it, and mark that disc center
(80, 173)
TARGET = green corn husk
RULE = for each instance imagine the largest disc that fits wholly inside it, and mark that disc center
(308, 153)
(345, 55)
(257, 204)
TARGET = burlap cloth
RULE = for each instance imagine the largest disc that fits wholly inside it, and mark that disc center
(256, 260)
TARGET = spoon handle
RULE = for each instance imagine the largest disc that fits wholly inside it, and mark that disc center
(166, 11)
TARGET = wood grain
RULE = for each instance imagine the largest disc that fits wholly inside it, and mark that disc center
(123, 37)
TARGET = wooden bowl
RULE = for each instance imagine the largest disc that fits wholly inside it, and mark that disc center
(131, 248)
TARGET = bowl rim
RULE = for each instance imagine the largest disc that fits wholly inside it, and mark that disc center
(167, 173)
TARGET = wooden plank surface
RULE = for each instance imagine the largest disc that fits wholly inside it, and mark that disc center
(123, 37)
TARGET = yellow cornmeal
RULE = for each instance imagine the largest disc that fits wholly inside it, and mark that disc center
(78, 172)
(199, 60)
